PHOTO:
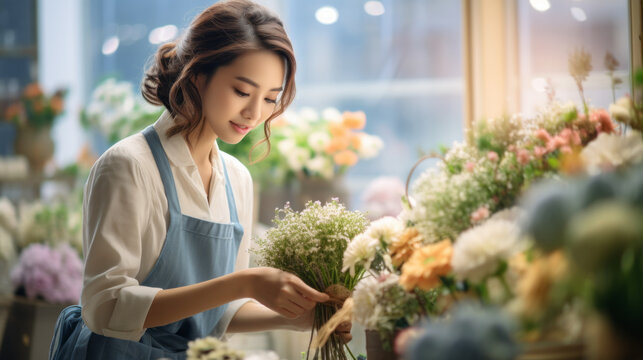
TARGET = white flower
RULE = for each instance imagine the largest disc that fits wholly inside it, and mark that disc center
(362, 248)
(621, 110)
(331, 114)
(386, 229)
(285, 146)
(318, 140)
(8, 218)
(211, 348)
(366, 308)
(321, 165)
(297, 157)
(613, 150)
(7, 249)
(371, 146)
(477, 252)
(308, 115)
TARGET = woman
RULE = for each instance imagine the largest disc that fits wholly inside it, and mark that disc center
(167, 216)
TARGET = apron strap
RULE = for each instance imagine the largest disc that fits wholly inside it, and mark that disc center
(232, 206)
(164, 168)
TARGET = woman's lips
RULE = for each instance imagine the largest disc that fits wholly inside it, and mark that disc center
(241, 129)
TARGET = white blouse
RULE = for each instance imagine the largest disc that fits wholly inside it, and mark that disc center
(125, 216)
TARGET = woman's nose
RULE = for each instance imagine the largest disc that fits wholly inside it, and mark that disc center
(252, 110)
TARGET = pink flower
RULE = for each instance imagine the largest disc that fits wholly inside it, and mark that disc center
(492, 156)
(52, 274)
(470, 166)
(382, 197)
(540, 151)
(566, 149)
(523, 156)
(480, 214)
(543, 135)
(602, 117)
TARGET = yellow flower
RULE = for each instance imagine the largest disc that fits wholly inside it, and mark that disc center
(403, 247)
(535, 286)
(426, 265)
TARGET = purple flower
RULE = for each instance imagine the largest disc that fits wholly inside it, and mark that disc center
(54, 274)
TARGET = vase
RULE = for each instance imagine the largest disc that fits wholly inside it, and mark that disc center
(29, 329)
(273, 197)
(35, 144)
(317, 189)
(375, 347)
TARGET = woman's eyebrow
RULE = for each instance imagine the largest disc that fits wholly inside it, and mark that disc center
(248, 81)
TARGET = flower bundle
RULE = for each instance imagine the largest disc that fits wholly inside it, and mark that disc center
(36, 109)
(311, 244)
(53, 274)
(323, 145)
(116, 112)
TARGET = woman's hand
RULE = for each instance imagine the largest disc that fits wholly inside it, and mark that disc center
(285, 293)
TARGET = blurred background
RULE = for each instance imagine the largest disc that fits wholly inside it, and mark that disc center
(419, 72)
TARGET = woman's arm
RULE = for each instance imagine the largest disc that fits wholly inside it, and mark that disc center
(279, 291)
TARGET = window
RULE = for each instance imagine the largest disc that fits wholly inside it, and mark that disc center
(550, 30)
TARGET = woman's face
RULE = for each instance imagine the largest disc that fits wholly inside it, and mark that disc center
(241, 95)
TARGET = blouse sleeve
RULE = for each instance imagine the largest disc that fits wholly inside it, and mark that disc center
(116, 209)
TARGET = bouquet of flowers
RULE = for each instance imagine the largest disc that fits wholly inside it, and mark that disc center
(116, 112)
(311, 244)
(461, 233)
(50, 224)
(36, 109)
(50, 273)
(323, 145)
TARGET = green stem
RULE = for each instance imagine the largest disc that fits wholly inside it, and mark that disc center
(350, 352)
(505, 286)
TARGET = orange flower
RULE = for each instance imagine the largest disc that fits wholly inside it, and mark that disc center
(56, 104)
(535, 286)
(337, 144)
(405, 245)
(426, 265)
(12, 111)
(345, 157)
(32, 90)
(337, 129)
(354, 120)
(356, 140)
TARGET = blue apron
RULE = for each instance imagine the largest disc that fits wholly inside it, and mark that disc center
(194, 251)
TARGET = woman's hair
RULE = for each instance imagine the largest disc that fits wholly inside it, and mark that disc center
(215, 38)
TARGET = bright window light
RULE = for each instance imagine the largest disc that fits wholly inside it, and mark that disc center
(163, 34)
(539, 84)
(327, 15)
(540, 5)
(578, 14)
(374, 8)
(111, 45)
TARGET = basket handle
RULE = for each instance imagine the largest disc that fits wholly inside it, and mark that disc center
(432, 155)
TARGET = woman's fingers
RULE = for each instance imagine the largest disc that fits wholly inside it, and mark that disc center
(309, 292)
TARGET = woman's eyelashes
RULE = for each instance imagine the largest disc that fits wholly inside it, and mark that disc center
(243, 94)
